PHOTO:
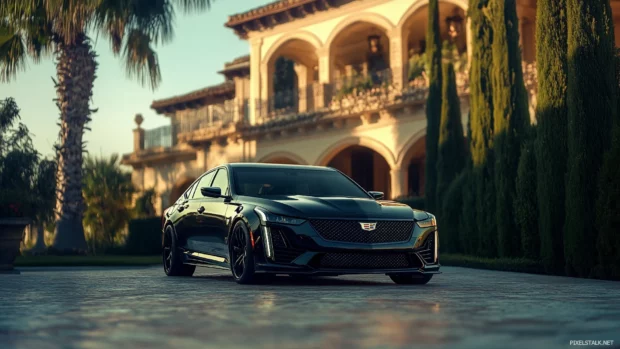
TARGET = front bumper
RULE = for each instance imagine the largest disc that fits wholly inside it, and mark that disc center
(285, 249)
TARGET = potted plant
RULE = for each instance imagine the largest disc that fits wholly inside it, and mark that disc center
(19, 196)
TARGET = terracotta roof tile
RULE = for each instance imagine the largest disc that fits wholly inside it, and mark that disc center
(274, 7)
(223, 88)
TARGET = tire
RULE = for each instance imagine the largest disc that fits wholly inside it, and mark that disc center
(242, 255)
(411, 279)
(172, 256)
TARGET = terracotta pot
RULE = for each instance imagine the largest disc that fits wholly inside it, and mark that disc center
(11, 234)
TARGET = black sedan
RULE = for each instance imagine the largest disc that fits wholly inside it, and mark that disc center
(261, 219)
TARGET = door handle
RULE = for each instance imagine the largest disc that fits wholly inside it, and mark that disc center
(201, 209)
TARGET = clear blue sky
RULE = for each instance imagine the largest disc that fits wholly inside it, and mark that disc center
(191, 61)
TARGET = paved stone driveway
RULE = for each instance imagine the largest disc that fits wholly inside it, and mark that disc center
(141, 308)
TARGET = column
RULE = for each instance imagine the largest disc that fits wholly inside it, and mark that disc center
(302, 87)
(255, 78)
(397, 179)
(397, 57)
(321, 89)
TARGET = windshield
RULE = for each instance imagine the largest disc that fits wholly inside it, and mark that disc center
(264, 182)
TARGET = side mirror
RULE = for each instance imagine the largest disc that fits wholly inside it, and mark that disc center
(211, 192)
(378, 195)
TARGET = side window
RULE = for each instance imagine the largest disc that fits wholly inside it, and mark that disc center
(188, 192)
(221, 181)
(205, 181)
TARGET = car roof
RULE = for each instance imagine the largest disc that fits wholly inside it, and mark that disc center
(278, 166)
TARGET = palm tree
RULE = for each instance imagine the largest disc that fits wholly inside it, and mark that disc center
(108, 192)
(60, 28)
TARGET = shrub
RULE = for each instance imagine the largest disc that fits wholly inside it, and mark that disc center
(468, 230)
(144, 206)
(145, 236)
(510, 119)
(551, 116)
(451, 154)
(592, 102)
(433, 104)
(451, 216)
(608, 213)
(526, 203)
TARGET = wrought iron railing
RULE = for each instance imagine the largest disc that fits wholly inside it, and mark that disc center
(285, 103)
(159, 137)
(360, 84)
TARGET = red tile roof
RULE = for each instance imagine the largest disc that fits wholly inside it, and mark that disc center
(227, 87)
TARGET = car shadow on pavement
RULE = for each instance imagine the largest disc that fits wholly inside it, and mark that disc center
(284, 281)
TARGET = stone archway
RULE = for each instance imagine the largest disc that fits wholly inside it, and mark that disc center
(359, 53)
(291, 69)
(365, 166)
(412, 162)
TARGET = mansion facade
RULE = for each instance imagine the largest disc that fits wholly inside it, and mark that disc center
(335, 83)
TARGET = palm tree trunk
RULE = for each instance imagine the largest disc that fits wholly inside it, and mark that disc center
(75, 70)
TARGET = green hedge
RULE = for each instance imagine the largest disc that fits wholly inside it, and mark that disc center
(144, 236)
(416, 202)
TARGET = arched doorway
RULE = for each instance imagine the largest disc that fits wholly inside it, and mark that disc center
(179, 189)
(360, 58)
(365, 166)
(453, 33)
(292, 70)
(413, 165)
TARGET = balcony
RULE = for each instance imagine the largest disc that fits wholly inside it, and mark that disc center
(160, 137)
(209, 122)
(359, 92)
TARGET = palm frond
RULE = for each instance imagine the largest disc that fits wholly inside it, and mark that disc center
(140, 59)
(190, 6)
(70, 17)
(23, 8)
(12, 55)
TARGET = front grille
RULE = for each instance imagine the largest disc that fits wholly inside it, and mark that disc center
(351, 231)
(427, 251)
(366, 261)
(282, 249)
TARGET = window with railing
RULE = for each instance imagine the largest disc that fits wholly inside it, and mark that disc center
(159, 137)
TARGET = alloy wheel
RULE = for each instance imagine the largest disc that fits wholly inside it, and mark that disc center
(167, 254)
(238, 252)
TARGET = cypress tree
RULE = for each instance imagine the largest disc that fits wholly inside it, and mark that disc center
(433, 104)
(482, 229)
(450, 239)
(510, 119)
(608, 213)
(526, 203)
(551, 116)
(451, 147)
(592, 103)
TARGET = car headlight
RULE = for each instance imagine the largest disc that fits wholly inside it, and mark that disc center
(266, 216)
(428, 222)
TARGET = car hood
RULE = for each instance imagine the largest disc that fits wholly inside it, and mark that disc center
(332, 207)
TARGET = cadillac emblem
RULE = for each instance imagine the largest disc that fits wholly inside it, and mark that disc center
(368, 226)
